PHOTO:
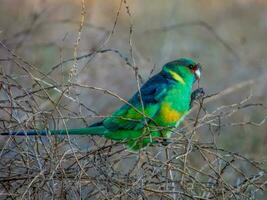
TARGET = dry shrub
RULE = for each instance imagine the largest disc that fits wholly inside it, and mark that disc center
(192, 166)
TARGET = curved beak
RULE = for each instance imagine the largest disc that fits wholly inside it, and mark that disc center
(198, 73)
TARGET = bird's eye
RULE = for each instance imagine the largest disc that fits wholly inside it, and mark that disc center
(193, 67)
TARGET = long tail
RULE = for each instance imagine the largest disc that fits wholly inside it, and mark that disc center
(96, 130)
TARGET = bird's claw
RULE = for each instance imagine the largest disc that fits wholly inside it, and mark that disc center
(197, 94)
(162, 141)
(165, 142)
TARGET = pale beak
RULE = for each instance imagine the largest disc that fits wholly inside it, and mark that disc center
(198, 73)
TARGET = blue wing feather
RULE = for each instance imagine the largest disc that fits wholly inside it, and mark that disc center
(152, 92)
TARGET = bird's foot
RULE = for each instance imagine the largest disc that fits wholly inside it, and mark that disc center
(163, 141)
(196, 95)
(166, 142)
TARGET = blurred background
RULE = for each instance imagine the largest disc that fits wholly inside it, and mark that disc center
(227, 37)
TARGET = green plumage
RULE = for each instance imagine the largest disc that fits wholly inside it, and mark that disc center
(161, 105)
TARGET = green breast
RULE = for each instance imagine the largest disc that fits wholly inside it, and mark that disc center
(174, 106)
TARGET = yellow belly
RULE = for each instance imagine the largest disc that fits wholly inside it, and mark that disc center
(168, 116)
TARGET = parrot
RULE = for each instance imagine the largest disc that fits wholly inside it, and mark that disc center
(158, 107)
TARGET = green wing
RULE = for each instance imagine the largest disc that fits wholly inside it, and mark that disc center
(130, 116)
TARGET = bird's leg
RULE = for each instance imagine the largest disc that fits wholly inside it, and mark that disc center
(165, 142)
(162, 141)
(197, 95)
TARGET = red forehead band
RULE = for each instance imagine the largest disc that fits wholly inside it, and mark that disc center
(195, 67)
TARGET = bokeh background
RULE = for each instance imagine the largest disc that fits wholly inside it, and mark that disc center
(227, 37)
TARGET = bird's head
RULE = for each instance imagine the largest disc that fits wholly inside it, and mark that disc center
(183, 70)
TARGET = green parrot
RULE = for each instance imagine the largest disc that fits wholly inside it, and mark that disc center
(160, 106)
